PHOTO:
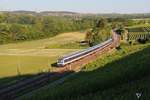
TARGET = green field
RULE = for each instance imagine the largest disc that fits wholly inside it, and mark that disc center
(29, 63)
(43, 43)
(140, 25)
(112, 77)
(142, 19)
(33, 57)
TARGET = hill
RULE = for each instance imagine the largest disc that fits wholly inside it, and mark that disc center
(69, 13)
(32, 57)
(42, 43)
(20, 26)
(119, 75)
(43, 13)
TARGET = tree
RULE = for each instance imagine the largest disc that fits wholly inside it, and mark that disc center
(120, 29)
(88, 37)
(102, 23)
(99, 33)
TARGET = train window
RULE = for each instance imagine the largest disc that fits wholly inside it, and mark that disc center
(60, 60)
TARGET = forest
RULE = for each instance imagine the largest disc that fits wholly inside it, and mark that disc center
(21, 27)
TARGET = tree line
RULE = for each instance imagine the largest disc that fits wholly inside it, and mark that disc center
(102, 30)
(21, 27)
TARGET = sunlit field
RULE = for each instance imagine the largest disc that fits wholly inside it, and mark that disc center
(64, 38)
(31, 57)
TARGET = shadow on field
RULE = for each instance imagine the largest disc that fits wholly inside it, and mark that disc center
(54, 64)
(26, 79)
(20, 85)
(133, 67)
(13, 80)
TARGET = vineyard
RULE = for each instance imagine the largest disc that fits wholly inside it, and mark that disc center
(138, 33)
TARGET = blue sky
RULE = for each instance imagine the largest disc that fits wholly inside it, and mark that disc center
(85, 6)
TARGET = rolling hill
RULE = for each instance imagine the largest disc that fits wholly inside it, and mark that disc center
(119, 75)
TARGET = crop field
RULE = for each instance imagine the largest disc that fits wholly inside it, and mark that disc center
(142, 19)
(139, 29)
(103, 78)
(140, 25)
(33, 57)
(138, 32)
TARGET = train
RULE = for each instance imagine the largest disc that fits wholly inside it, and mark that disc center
(67, 59)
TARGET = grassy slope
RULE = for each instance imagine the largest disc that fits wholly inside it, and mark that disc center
(40, 44)
(114, 70)
(31, 57)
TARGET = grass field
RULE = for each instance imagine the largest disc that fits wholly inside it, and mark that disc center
(43, 43)
(31, 57)
(140, 25)
(142, 19)
(112, 77)
(29, 63)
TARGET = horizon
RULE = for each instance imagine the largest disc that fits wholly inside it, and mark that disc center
(73, 12)
(94, 6)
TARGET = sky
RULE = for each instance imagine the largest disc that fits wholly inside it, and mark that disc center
(82, 6)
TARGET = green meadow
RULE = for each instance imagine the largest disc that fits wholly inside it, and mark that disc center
(33, 57)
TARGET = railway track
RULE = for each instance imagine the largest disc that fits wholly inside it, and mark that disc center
(13, 91)
(25, 86)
